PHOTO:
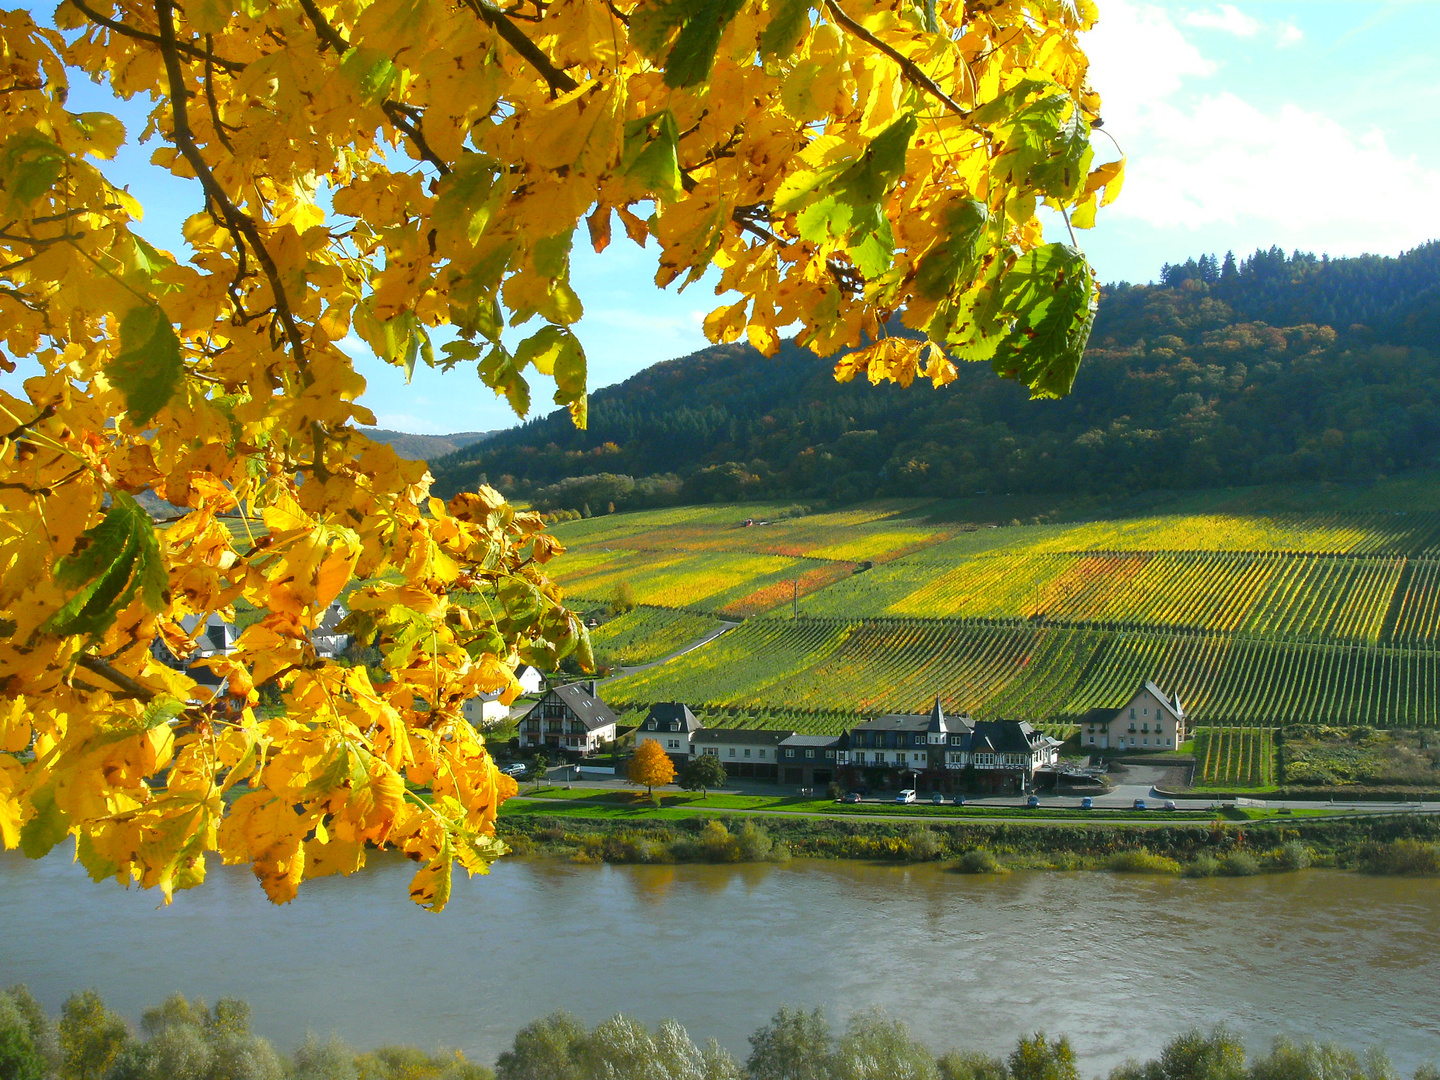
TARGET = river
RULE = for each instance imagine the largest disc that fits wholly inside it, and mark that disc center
(1119, 963)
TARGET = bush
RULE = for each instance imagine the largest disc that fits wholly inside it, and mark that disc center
(1141, 862)
(978, 862)
(1412, 858)
(1203, 866)
(1239, 864)
(922, 845)
(1291, 855)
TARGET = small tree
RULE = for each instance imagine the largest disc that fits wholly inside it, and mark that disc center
(624, 599)
(795, 1045)
(90, 1037)
(1037, 1058)
(650, 766)
(702, 773)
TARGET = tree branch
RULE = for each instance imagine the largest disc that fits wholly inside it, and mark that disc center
(140, 35)
(908, 67)
(560, 83)
(239, 224)
(405, 118)
(117, 678)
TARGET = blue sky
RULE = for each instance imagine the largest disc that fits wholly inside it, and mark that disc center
(1308, 125)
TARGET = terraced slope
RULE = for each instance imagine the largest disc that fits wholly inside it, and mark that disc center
(1255, 620)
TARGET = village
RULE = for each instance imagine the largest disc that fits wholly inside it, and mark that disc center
(938, 753)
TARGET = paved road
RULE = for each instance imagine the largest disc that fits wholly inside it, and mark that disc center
(1121, 798)
(725, 625)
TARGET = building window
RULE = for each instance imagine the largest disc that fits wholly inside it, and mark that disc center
(789, 753)
(732, 751)
(809, 753)
(747, 751)
(1132, 714)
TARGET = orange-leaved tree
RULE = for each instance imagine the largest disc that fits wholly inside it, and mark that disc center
(649, 765)
(383, 168)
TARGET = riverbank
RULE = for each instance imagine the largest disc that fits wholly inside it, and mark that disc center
(721, 947)
(1399, 844)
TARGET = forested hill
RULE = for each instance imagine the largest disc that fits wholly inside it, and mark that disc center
(1273, 368)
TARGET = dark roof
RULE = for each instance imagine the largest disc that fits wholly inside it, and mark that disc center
(671, 716)
(1175, 709)
(752, 736)
(811, 740)
(581, 700)
(1004, 737)
(935, 721)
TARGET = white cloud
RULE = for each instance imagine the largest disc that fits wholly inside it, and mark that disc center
(1290, 34)
(1138, 55)
(1205, 156)
(1227, 18)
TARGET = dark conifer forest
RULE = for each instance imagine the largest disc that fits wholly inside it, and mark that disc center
(1272, 368)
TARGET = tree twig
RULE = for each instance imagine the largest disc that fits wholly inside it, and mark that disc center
(230, 66)
(513, 36)
(404, 117)
(240, 226)
(911, 70)
(117, 678)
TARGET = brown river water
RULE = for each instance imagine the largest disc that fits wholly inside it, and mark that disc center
(1119, 963)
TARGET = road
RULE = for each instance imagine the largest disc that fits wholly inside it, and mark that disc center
(1139, 785)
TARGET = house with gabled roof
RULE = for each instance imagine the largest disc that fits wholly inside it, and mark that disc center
(570, 718)
(1014, 749)
(671, 724)
(1151, 720)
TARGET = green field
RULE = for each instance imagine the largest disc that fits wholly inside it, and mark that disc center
(1257, 620)
(1237, 757)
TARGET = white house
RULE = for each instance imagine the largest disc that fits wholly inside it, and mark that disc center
(570, 718)
(530, 679)
(749, 752)
(672, 725)
(1150, 720)
(327, 641)
(485, 710)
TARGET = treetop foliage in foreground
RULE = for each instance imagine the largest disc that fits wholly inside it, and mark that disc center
(385, 168)
(184, 1040)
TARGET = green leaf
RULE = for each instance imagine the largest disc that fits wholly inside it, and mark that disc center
(111, 562)
(372, 71)
(651, 154)
(693, 53)
(161, 711)
(953, 261)
(148, 368)
(30, 163)
(785, 29)
(47, 828)
(499, 372)
(882, 164)
(468, 198)
(1047, 303)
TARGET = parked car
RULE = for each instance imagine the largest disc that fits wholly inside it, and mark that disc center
(906, 796)
(850, 797)
(958, 800)
(1086, 803)
(1170, 804)
(517, 769)
(1140, 804)
(938, 799)
(1033, 801)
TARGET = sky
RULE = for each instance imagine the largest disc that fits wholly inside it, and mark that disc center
(1308, 125)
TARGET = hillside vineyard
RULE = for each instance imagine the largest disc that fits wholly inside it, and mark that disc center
(1255, 619)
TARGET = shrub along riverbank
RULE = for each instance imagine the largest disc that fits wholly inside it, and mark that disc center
(1384, 845)
(184, 1040)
